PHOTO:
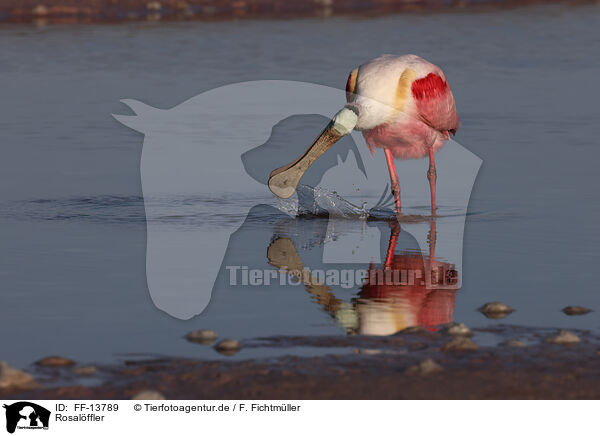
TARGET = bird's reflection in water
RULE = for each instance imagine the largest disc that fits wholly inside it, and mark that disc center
(393, 296)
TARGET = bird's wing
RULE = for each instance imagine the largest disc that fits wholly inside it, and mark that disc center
(435, 103)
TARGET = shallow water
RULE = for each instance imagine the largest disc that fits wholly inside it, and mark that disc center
(72, 215)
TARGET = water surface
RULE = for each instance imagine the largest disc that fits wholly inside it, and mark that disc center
(72, 262)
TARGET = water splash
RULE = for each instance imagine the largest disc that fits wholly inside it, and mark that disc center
(320, 202)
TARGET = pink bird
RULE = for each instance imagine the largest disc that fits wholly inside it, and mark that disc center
(402, 104)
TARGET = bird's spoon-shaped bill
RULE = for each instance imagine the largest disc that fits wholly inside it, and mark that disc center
(284, 181)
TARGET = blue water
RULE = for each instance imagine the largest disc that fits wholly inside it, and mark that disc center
(72, 222)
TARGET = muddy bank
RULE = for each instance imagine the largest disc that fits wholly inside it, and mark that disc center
(415, 365)
(24, 11)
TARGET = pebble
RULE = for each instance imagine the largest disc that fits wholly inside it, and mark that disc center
(228, 347)
(496, 310)
(154, 6)
(563, 337)
(369, 351)
(458, 329)
(460, 343)
(427, 366)
(85, 370)
(576, 310)
(40, 11)
(148, 395)
(185, 8)
(11, 377)
(202, 336)
(55, 361)
(515, 343)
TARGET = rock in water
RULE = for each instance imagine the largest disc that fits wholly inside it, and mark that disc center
(427, 366)
(55, 361)
(40, 11)
(85, 370)
(202, 336)
(564, 337)
(148, 395)
(11, 377)
(228, 347)
(458, 330)
(576, 310)
(460, 343)
(153, 6)
(515, 343)
(496, 310)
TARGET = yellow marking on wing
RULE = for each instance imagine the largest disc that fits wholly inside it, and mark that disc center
(351, 85)
(403, 89)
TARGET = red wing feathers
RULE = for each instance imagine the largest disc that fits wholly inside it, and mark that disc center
(435, 103)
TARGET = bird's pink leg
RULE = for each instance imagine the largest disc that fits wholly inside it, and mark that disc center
(432, 176)
(394, 178)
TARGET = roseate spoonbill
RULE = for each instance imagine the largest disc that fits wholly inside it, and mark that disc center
(402, 104)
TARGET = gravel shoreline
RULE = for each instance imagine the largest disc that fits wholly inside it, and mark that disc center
(525, 364)
(98, 11)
